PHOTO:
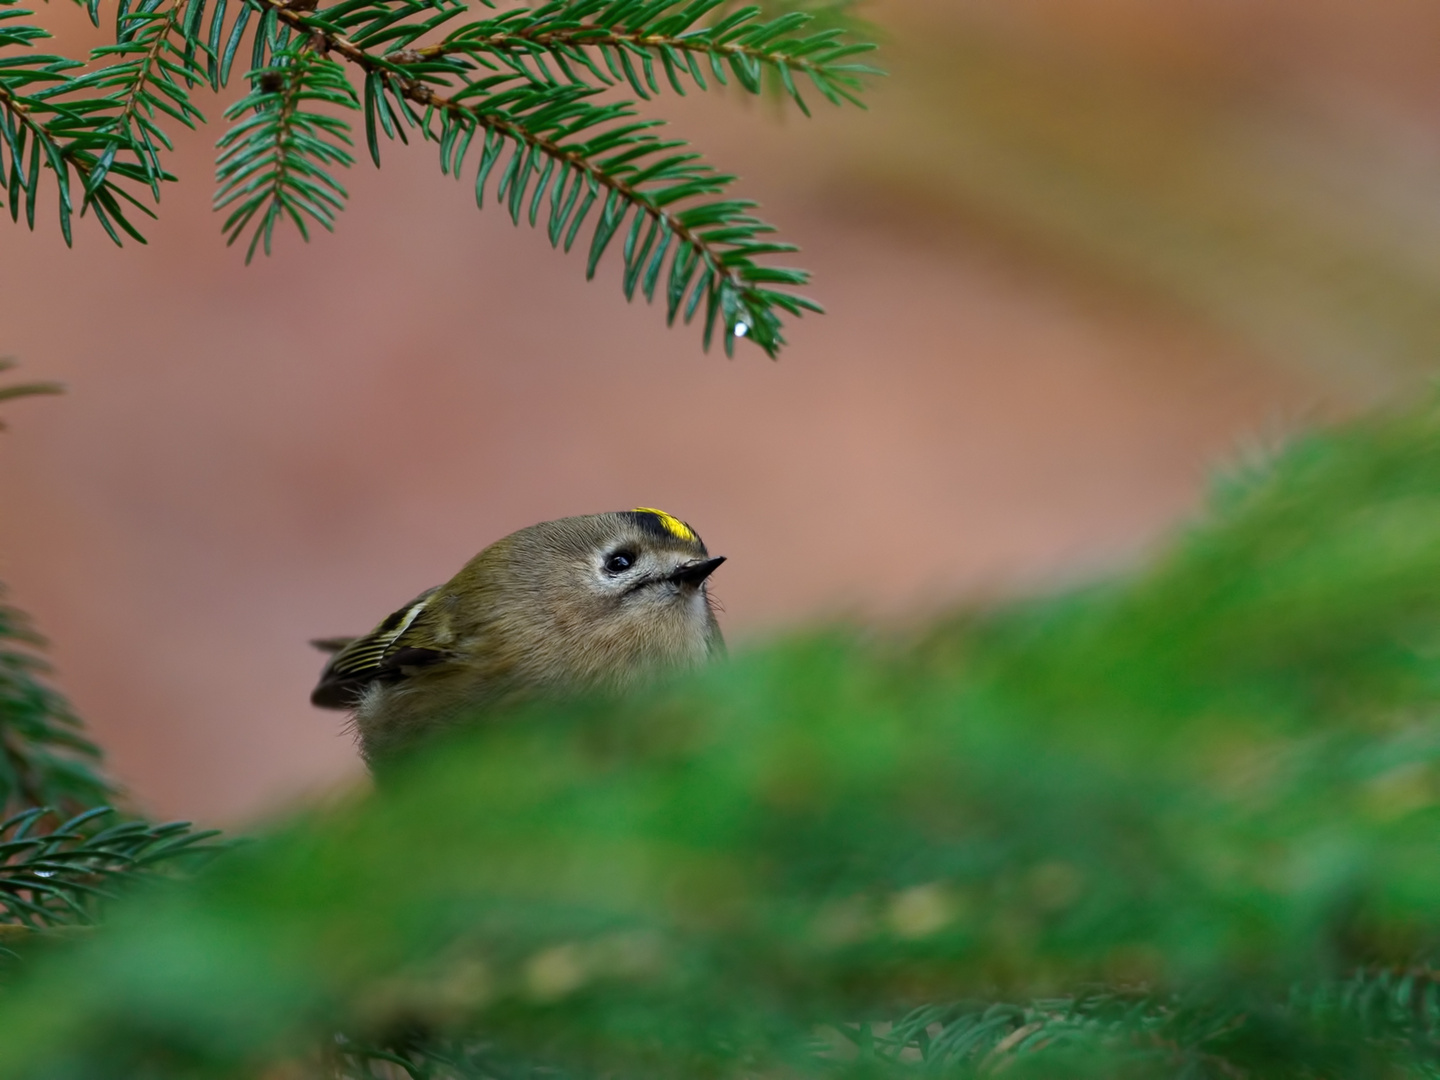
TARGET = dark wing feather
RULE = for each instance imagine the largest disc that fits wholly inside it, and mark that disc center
(331, 644)
(380, 653)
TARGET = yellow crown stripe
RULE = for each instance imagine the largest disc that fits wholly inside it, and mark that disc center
(673, 525)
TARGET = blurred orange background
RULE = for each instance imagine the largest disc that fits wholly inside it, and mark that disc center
(1078, 253)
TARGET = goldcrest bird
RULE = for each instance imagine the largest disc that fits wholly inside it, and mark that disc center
(583, 602)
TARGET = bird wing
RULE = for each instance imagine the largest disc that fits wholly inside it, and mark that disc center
(331, 645)
(405, 638)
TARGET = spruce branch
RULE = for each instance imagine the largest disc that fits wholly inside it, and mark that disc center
(543, 129)
(55, 876)
(60, 877)
(273, 163)
(38, 129)
(20, 127)
(159, 68)
(45, 758)
(633, 37)
(583, 154)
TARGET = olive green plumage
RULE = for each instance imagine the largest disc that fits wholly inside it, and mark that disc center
(582, 602)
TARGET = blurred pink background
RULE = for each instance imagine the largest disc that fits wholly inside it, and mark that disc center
(1075, 256)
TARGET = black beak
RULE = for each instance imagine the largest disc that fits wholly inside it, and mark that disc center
(696, 572)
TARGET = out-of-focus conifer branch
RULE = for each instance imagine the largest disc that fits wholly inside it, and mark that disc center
(1210, 788)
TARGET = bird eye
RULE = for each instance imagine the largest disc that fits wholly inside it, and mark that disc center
(619, 562)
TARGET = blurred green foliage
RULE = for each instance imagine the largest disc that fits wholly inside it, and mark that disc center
(1178, 824)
